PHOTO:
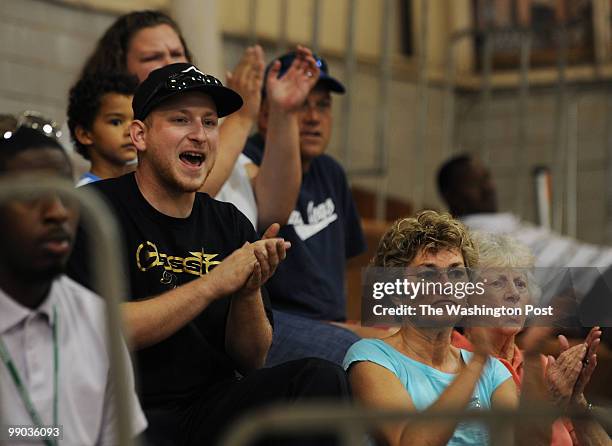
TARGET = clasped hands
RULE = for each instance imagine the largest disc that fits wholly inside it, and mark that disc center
(251, 265)
(567, 376)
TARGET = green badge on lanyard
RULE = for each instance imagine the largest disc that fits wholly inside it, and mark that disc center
(23, 391)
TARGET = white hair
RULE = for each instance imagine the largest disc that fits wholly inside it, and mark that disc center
(503, 251)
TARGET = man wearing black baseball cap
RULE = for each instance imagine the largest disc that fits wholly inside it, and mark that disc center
(196, 314)
(307, 290)
(167, 81)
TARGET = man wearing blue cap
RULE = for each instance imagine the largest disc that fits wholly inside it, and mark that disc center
(324, 230)
(196, 313)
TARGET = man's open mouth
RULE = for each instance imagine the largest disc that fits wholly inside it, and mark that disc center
(192, 158)
(310, 134)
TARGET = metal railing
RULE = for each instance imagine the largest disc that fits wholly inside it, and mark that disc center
(108, 283)
(352, 424)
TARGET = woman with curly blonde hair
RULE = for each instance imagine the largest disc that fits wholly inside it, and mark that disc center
(417, 368)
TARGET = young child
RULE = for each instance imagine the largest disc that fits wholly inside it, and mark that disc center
(99, 115)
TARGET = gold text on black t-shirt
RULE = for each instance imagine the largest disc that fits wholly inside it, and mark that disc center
(198, 263)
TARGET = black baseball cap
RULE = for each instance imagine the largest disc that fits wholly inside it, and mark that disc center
(332, 84)
(167, 81)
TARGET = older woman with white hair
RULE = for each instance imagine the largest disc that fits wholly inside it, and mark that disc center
(505, 268)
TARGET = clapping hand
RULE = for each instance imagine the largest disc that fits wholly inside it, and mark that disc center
(568, 375)
(291, 90)
(247, 80)
(268, 252)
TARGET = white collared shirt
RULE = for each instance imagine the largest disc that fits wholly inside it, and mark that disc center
(237, 190)
(86, 408)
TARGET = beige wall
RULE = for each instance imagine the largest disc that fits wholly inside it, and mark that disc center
(503, 122)
(235, 20)
(200, 26)
(443, 16)
(43, 48)
(116, 6)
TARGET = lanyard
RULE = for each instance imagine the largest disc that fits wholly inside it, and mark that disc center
(23, 391)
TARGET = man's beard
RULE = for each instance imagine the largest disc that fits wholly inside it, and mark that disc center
(174, 183)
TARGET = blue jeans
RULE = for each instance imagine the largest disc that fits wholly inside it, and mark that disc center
(297, 337)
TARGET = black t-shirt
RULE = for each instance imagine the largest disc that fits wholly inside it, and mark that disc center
(161, 253)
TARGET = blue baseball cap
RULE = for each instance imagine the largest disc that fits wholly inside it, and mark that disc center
(325, 79)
